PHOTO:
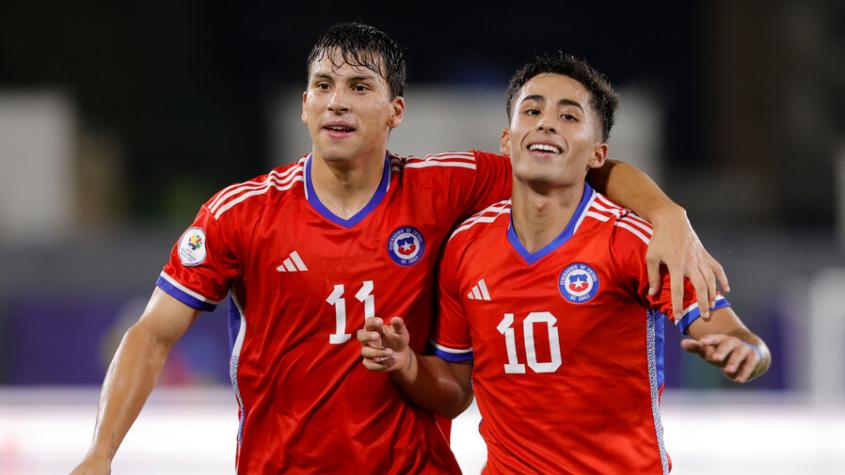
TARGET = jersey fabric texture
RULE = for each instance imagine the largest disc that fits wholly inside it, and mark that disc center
(301, 282)
(567, 346)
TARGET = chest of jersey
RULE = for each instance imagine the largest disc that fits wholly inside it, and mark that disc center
(562, 316)
(311, 278)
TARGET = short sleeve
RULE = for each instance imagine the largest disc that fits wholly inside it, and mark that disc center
(630, 243)
(492, 182)
(451, 338)
(202, 264)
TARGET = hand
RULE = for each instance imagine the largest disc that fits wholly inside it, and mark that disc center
(676, 245)
(738, 359)
(93, 466)
(385, 347)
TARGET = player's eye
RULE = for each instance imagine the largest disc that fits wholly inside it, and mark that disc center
(531, 112)
(569, 117)
(360, 87)
(323, 85)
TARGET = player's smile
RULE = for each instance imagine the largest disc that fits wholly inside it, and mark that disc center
(339, 129)
(544, 149)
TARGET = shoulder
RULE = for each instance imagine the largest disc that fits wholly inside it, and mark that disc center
(625, 226)
(480, 221)
(258, 191)
(436, 162)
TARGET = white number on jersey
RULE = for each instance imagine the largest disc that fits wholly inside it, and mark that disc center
(513, 366)
(335, 299)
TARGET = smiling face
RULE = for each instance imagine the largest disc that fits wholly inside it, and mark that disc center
(348, 110)
(554, 135)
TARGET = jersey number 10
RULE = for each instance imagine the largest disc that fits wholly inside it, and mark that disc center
(513, 365)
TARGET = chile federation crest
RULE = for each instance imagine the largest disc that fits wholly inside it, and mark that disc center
(406, 246)
(578, 282)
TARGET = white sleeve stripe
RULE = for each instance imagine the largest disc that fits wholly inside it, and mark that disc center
(451, 350)
(645, 228)
(471, 166)
(481, 219)
(281, 176)
(637, 218)
(598, 216)
(613, 211)
(607, 202)
(188, 291)
(230, 204)
(271, 180)
(634, 231)
(447, 156)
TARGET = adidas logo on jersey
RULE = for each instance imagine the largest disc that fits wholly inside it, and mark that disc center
(479, 291)
(292, 264)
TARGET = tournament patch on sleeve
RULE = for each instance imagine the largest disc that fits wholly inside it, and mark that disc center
(192, 247)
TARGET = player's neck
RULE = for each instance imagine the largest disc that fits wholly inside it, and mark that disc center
(346, 186)
(540, 215)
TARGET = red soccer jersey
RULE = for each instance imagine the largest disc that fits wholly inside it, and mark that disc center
(567, 346)
(302, 281)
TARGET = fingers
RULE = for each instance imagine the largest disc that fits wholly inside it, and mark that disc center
(720, 275)
(710, 280)
(748, 367)
(373, 324)
(371, 334)
(677, 278)
(693, 346)
(737, 359)
(701, 286)
(397, 324)
(653, 267)
(396, 334)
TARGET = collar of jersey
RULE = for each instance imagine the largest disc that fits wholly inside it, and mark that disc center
(357, 217)
(557, 242)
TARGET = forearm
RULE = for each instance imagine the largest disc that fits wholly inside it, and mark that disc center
(128, 383)
(434, 385)
(630, 187)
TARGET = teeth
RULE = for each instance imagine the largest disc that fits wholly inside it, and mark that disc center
(340, 128)
(543, 148)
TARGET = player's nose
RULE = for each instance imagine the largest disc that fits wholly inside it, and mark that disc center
(338, 103)
(546, 124)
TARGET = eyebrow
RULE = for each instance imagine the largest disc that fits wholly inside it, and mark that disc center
(356, 78)
(562, 102)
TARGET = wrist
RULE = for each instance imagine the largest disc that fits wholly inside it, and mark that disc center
(406, 370)
(100, 454)
(666, 212)
(760, 365)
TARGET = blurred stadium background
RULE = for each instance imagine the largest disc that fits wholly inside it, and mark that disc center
(118, 119)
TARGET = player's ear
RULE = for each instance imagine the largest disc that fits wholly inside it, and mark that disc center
(398, 113)
(599, 155)
(304, 101)
(505, 142)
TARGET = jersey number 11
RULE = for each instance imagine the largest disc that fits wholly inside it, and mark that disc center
(335, 299)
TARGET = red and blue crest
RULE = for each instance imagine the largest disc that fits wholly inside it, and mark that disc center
(406, 245)
(578, 282)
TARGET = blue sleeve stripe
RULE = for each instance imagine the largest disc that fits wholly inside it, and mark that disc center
(166, 285)
(452, 357)
(694, 312)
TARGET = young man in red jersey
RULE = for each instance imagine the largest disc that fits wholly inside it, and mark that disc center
(545, 312)
(308, 251)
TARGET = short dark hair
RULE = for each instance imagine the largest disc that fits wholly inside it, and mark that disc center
(602, 96)
(362, 45)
